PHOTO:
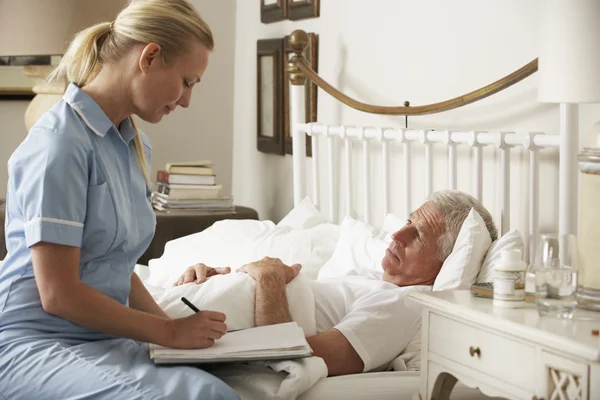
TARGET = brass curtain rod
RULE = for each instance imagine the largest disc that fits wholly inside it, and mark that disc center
(299, 69)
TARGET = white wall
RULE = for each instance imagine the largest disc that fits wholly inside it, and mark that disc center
(204, 130)
(388, 51)
(12, 132)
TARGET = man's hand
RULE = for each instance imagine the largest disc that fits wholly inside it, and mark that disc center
(199, 273)
(271, 267)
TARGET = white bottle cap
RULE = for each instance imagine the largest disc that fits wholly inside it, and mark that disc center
(510, 260)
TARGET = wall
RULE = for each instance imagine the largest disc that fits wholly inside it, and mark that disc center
(12, 132)
(204, 130)
(388, 51)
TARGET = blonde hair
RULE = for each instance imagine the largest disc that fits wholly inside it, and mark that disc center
(172, 24)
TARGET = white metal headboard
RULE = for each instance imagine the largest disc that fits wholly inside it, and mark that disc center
(566, 142)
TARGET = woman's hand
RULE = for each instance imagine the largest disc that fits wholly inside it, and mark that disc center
(271, 267)
(200, 273)
(197, 331)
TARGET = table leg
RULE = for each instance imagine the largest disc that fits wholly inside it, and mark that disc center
(443, 386)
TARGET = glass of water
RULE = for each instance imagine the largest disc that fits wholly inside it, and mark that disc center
(556, 276)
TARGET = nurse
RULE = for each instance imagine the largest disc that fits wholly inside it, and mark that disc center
(74, 318)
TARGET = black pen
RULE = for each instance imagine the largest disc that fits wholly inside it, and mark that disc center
(189, 304)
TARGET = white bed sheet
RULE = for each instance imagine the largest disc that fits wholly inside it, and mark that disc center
(393, 385)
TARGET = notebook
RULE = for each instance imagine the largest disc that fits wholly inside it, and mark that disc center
(272, 342)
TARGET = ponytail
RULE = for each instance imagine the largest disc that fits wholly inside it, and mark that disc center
(81, 62)
(139, 149)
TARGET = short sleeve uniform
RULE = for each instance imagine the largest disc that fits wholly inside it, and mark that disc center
(76, 181)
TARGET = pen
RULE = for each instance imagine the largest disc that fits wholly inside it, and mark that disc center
(189, 304)
(195, 309)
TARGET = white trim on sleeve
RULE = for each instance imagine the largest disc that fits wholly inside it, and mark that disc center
(54, 220)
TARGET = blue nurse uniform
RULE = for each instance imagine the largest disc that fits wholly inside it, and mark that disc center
(75, 180)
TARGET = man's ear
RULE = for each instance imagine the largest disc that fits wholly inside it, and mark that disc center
(150, 55)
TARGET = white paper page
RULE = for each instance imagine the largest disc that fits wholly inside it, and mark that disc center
(278, 336)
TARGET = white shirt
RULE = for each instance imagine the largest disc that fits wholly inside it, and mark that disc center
(375, 316)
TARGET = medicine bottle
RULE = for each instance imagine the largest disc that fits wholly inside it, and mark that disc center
(509, 280)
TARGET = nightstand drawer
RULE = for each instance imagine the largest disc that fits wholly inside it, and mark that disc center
(494, 355)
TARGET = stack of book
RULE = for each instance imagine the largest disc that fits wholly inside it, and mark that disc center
(190, 186)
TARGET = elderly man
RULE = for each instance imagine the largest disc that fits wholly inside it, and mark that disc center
(359, 319)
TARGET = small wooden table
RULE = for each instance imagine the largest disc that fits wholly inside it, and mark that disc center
(510, 353)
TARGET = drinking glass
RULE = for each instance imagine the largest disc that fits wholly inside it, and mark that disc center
(555, 271)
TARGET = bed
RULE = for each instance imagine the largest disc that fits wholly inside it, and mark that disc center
(344, 156)
(338, 185)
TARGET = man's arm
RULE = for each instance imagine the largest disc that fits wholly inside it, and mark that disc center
(271, 305)
(271, 276)
(337, 352)
(272, 308)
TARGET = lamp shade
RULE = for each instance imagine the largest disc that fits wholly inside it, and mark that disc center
(569, 58)
(46, 27)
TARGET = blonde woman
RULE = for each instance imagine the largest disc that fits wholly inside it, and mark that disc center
(73, 315)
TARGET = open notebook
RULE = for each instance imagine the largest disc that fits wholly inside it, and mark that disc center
(273, 342)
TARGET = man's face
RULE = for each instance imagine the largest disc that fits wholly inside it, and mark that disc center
(412, 257)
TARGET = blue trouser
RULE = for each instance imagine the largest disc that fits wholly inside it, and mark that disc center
(108, 369)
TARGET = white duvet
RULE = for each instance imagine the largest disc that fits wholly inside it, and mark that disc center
(234, 243)
(233, 294)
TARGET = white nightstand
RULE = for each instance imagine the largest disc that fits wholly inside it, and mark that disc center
(512, 353)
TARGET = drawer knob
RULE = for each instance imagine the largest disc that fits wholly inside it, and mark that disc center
(474, 350)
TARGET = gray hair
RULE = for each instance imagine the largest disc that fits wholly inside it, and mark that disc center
(456, 205)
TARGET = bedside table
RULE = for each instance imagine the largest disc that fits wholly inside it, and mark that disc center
(512, 353)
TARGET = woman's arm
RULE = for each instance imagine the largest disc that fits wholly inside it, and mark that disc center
(141, 300)
(63, 294)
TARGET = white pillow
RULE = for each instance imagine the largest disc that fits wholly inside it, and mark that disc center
(359, 251)
(393, 223)
(234, 243)
(512, 240)
(460, 269)
(303, 216)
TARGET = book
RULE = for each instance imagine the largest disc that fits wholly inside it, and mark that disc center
(197, 204)
(486, 291)
(272, 342)
(191, 170)
(194, 163)
(184, 179)
(200, 167)
(192, 211)
(198, 192)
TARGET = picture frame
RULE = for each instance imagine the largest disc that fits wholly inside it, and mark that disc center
(310, 94)
(273, 10)
(302, 9)
(14, 85)
(269, 78)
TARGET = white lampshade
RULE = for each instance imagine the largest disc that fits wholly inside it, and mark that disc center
(46, 27)
(569, 58)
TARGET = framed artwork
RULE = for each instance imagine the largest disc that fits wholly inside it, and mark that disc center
(273, 10)
(302, 9)
(310, 94)
(14, 85)
(269, 96)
